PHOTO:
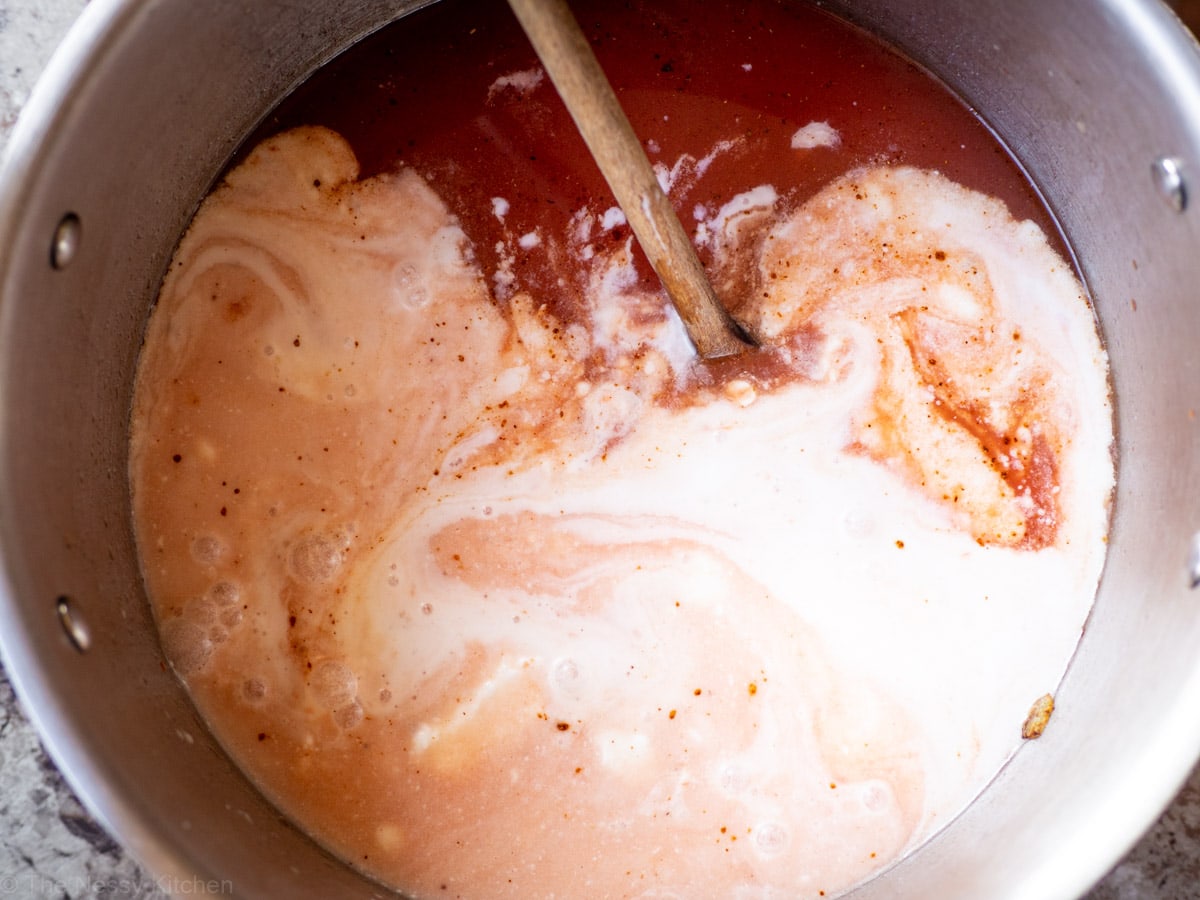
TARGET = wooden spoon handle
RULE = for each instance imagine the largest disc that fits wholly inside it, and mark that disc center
(567, 57)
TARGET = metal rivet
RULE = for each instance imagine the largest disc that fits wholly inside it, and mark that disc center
(66, 241)
(74, 626)
(1194, 562)
(1167, 172)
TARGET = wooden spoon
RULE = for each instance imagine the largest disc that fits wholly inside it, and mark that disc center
(567, 57)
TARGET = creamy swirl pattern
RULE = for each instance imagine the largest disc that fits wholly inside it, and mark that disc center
(501, 604)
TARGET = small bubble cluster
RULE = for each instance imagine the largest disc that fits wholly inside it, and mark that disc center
(254, 690)
(336, 687)
(771, 839)
(186, 645)
(334, 683)
(224, 597)
(346, 717)
(188, 640)
(207, 550)
(409, 287)
(316, 558)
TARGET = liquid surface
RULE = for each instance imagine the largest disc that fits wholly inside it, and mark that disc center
(498, 592)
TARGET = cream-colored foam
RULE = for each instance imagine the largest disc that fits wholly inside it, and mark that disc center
(525, 608)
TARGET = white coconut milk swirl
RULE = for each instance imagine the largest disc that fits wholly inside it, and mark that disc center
(502, 605)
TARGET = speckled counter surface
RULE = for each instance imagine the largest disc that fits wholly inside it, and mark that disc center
(50, 847)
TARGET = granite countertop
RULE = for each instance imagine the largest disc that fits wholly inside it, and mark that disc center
(50, 847)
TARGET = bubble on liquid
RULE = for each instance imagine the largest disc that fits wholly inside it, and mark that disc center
(207, 550)
(254, 690)
(187, 645)
(223, 597)
(733, 779)
(315, 558)
(225, 593)
(771, 838)
(346, 717)
(876, 796)
(334, 683)
(409, 287)
(565, 677)
(565, 671)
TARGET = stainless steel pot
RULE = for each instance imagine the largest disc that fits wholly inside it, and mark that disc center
(132, 122)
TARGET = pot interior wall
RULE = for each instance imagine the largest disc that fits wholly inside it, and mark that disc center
(129, 138)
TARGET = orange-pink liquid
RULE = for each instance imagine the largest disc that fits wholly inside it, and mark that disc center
(494, 588)
(689, 75)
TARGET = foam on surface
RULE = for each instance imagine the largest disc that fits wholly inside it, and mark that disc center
(522, 606)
